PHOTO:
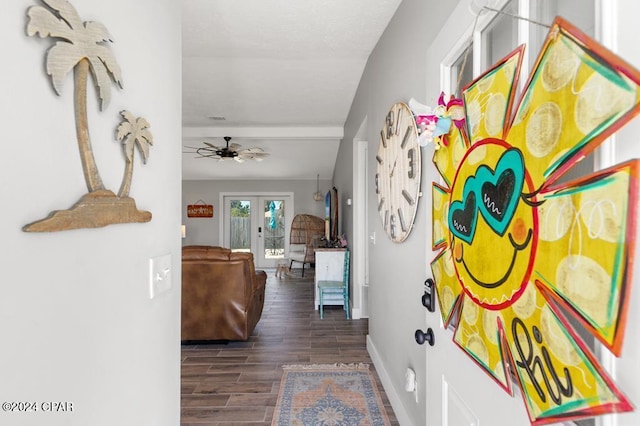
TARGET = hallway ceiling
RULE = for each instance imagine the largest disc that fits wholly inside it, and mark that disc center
(282, 73)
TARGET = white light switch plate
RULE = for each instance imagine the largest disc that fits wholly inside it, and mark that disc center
(159, 275)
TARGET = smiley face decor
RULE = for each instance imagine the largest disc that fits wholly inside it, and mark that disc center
(520, 253)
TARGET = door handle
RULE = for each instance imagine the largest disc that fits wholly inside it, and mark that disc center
(422, 337)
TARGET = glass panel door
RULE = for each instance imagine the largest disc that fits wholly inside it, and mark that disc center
(273, 235)
(259, 224)
(240, 227)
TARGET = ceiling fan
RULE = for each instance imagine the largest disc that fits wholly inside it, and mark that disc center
(229, 152)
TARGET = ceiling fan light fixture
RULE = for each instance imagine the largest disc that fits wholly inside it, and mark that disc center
(229, 152)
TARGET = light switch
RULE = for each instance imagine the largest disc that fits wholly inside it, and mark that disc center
(159, 275)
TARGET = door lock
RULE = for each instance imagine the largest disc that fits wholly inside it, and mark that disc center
(428, 298)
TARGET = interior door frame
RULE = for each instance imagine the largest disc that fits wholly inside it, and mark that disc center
(257, 244)
(360, 252)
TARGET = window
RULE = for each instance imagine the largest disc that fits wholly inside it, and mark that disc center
(496, 35)
(500, 37)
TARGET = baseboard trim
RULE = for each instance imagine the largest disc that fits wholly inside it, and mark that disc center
(387, 383)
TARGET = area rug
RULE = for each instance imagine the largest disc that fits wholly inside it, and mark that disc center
(329, 395)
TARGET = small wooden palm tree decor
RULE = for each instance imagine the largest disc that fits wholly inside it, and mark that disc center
(81, 47)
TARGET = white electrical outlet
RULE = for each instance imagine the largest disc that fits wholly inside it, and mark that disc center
(410, 382)
(159, 275)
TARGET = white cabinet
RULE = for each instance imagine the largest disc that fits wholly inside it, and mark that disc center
(329, 266)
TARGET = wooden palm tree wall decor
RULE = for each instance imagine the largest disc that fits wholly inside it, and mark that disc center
(81, 47)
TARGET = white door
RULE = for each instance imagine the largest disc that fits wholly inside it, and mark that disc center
(459, 392)
(259, 224)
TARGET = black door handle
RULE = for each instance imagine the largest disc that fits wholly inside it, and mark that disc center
(422, 337)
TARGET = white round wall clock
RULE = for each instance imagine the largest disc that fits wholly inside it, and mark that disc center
(398, 171)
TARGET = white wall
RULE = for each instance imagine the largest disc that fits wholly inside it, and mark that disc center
(206, 231)
(395, 72)
(76, 320)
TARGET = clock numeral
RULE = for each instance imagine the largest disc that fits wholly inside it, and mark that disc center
(411, 156)
(408, 197)
(390, 123)
(386, 219)
(405, 138)
(383, 139)
(392, 226)
(379, 160)
(401, 218)
(398, 120)
(377, 183)
(381, 204)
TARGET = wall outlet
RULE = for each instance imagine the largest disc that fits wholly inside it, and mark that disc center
(410, 382)
(159, 275)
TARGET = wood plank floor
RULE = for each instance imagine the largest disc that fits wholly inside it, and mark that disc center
(237, 383)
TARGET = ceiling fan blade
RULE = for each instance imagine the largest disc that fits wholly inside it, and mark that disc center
(254, 150)
(234, 146)
(211, 145)
(212, 155)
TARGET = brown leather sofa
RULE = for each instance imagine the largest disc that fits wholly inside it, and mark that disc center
(222, 294)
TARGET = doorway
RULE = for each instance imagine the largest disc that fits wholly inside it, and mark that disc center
(258, 223)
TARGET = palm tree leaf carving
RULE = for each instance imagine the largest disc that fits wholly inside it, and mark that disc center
(81, 41)
(61, 59)
(66, 12)
(144, 142)
(101, 75)
(44, 24)
(99, 31)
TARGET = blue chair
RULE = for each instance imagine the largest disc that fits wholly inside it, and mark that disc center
(336, 287)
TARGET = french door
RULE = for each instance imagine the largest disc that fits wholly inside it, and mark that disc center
(258, 223)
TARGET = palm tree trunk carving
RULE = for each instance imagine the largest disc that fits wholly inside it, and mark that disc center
(89, 167)
(125, 187)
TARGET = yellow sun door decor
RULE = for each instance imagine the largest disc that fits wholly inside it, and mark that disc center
(518, 252)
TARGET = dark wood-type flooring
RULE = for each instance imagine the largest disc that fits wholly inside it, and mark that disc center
(237, 382)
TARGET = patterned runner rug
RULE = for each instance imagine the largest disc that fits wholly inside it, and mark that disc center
(329, 395)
